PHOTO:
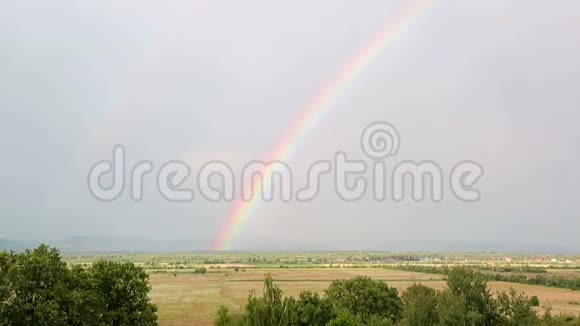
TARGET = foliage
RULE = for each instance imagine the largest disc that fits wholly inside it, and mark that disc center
(552, 281)
(515, 309)
(201, 270)
(572, 283)
(511, 269)
(453, 311)
(313, 310)
(472, 287)
(344, 319)
(420, 306)
(124, 289)
(223, 317)
(364, 298)
(270, 309)
(37, 288)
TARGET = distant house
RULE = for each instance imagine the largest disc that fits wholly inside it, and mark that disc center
(539, 259)
(554, 260)
(508, 259)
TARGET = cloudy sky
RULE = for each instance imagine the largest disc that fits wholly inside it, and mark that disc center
(497, 82)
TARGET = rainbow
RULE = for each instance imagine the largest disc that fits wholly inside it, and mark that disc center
(315, 110)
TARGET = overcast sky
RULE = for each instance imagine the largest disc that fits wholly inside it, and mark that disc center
(497, 82)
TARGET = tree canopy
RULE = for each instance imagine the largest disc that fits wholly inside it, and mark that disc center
(37, 288)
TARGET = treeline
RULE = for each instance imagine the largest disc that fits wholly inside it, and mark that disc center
(363, 301)
(551, 281)
(510, 269)
(539, 279)
(420, 269)
(37, 288)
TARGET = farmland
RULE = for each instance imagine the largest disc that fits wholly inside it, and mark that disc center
(184, 297)
(187, 297)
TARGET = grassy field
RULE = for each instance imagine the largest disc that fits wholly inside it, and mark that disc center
(192, 299)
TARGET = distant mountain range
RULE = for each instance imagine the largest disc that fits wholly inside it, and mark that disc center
(108, 244)
(139, 244)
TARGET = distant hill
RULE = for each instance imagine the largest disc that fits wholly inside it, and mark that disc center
(16, 245)
(143, 244)
(109, 244)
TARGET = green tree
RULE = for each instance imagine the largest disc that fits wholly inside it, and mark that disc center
(515, 309)
(223, 317)
(201, 270)
(378, 321)
(39, 289)
(124, 290)
(420, 306)
(472, 286)
(270, 309)
(312, 310)
(344, 318)
(453, 311)
(363, 297)
(6, 262)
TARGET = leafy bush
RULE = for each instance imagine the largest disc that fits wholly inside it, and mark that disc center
(201, 270)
